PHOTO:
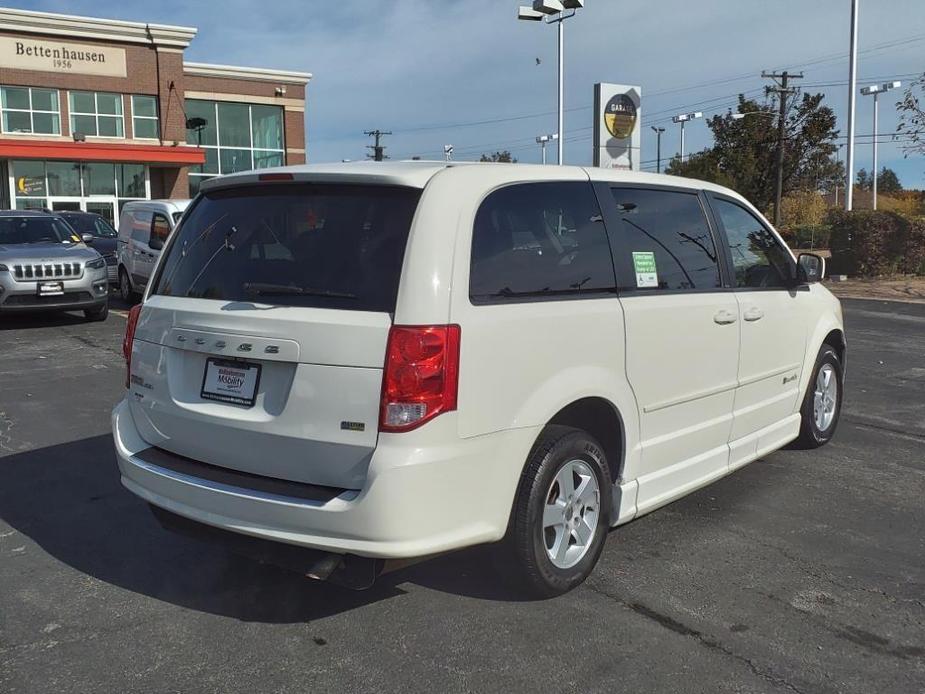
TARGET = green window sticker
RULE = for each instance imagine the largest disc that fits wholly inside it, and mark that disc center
(646, 273)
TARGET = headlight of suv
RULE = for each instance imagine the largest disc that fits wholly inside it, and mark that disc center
(3, 268)
(97, 263)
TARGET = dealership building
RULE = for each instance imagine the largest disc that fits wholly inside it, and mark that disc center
(97, 112)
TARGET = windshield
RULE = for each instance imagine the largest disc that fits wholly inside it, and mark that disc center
(21, 230)
(91, 224)
(318, 245)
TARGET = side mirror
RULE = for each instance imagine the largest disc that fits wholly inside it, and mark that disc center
(87, 238)
(155, 244)
(810, 268)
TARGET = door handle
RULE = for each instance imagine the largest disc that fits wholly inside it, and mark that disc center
(753, 313)
(724, 317)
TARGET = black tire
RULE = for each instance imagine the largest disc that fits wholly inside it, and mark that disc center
(100, 313)
(811, 435)
(125, 287)
(525, 558)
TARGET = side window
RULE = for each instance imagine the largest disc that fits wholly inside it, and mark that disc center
(662, 241)
(537, 240)
(141, 226)
(758, 258)
(160, 228)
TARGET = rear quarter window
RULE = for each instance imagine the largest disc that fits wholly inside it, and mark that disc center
(299, 244)
(535, 241)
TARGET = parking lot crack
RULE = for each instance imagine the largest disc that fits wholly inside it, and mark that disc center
(705, 640)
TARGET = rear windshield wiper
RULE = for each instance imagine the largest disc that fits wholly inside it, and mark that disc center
(270, 289)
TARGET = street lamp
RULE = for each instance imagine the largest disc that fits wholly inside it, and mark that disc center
(543, 139)
(658, 148)
(876, 90)
(554, 12)
(682, 118)
(740, 116)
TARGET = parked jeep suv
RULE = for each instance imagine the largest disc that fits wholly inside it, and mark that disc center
(44, 265)
(394, 360)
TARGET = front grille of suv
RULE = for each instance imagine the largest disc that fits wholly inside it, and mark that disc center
(47, 271)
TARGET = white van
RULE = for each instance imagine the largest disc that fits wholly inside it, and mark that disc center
(143, 228)
(393, 360)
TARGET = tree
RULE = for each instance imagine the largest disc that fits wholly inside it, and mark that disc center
(887, 181)
(912, 118)
(743, 155)
(501, 156)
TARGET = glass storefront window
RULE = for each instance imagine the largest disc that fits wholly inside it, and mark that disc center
(131, 180)
(231, 160)
(96, 114)
(28, 178)
(264, 160)
(236, 137)
(16, 97)
(99, 178)
(29, 110)
(144, 117)
(31, 204)
(63, 178)
(74, 185)
(207, 135)
(234, 128)
(267, 127)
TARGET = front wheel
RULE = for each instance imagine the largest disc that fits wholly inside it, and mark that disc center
(125, 287)
(100, 313)
(561, 513)
(822, 402)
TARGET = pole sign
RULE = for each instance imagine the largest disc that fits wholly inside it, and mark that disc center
(617, 121)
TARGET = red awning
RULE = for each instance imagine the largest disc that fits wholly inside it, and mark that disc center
(180, 155)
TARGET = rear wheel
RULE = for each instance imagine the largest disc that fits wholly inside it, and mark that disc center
(125, 287)
(822, 402)
(561, 514)
(100, 313)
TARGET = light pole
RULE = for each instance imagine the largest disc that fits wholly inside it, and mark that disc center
(875, 90)
(852, 86)
(543, 139)
(554, 12)
(682, 118)
(658, 148)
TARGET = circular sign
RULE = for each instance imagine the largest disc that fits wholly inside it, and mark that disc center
(620, 116)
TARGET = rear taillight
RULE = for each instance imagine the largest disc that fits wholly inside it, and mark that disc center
(128, 339)
(421, 375)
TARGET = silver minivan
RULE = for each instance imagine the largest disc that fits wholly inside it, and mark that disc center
(143, 229)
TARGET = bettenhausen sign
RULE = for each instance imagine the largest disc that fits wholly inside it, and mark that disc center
(57, 56)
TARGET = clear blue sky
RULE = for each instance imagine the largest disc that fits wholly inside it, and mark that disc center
(465, 72)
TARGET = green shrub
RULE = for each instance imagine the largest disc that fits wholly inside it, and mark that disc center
(869, 243)
(811, 236)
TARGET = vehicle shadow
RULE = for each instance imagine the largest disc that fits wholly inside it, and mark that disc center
(40, 319)
(68, 499)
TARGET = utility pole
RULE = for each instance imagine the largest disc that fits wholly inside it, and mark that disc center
(781, 88)
(378, 149)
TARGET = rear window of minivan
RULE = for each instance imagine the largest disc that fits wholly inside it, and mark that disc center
(300, 244)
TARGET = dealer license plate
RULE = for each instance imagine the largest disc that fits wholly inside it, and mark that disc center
(230, 381)
(50, 288)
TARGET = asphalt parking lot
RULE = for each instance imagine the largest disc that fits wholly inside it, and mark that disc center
(804, 572)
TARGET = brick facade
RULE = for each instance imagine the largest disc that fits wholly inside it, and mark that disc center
(155, 67)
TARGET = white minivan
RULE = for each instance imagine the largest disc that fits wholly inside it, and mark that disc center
(144, 227)
(381, 361)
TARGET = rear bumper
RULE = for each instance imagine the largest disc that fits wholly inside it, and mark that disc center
(426, 492)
